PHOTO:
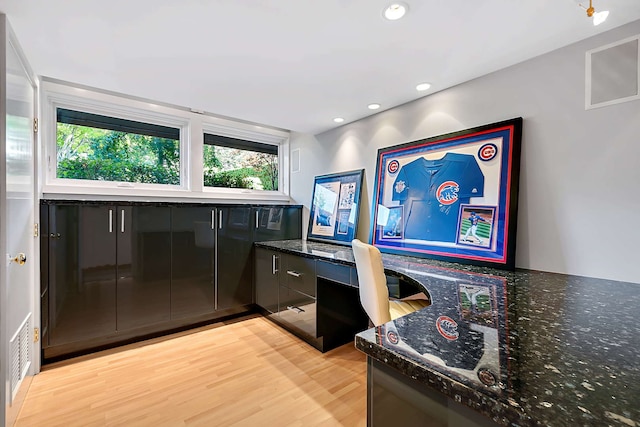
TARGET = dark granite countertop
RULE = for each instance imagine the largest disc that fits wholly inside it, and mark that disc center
(524, 348)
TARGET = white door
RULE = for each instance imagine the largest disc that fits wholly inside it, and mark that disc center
(17, 240)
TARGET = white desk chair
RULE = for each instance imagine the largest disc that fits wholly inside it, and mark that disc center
(372, 283)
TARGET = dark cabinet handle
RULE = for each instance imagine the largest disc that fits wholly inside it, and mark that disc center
(298, 310)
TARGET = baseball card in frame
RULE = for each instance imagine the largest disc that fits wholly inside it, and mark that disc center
(452, 197)
(335, 203)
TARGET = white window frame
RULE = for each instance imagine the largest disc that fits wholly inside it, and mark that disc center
(265, 136)
(192, 125)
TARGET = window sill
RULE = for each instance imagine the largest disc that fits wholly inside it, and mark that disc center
(221, 195)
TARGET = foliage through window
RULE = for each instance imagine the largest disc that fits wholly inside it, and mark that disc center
(236, 163)
(101, 148)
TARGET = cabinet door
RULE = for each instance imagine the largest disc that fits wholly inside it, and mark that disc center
(235, 267)
(144, 265)
(193, 238)
(266, 279)
(277, 223)
(82, 273)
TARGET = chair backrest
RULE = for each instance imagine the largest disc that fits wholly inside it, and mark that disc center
(372, 283)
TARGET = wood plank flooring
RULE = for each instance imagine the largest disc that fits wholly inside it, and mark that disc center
(247, 372)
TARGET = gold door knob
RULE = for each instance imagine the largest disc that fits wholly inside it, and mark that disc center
(19, 259)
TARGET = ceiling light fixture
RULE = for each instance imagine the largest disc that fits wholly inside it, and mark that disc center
(338, 120)
(423, 86)
(598, 17)
(395, 11)
(373, 106)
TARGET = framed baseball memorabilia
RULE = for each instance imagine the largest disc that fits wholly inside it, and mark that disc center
(452, 197)
(334, 207)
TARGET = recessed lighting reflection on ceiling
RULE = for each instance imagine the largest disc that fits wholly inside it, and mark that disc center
(373, 106)
(338, 120)
(423, 86)
(395, 11)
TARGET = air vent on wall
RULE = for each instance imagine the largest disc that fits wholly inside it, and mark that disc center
(20, 355)
(613, 73)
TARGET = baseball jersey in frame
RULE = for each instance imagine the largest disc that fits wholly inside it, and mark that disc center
(432, 192)
(436, 180)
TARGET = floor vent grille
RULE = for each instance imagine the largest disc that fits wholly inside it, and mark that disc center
(20, 355)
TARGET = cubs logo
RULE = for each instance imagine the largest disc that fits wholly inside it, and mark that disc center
(487, 377)
(487, 152)
(393, 166)
(447, 327)
(447, 192)
(392, 337)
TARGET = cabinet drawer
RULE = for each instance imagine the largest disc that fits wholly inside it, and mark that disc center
(335, 272)
(299, 274)
(297, 310)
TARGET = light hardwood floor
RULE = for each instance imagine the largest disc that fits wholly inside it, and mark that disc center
(240, 373)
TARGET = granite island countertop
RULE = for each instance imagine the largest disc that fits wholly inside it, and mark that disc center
(525, 348)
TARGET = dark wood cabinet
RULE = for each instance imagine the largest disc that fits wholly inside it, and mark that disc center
(118, 272)
(266, 279)
(143, 265)
(80, 280)
(316, 300)
(276, 223)
(234, 261)
(193, 244)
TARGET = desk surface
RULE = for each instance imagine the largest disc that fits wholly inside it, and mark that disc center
(523, 347)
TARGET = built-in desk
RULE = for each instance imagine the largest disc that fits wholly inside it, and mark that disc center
(523, 348)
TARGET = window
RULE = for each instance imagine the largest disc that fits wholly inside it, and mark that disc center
(237, 163)
(98, 143)
(101, 148)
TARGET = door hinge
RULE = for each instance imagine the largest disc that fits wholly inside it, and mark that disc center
(35, 230)
(35, 125)
(36, 334)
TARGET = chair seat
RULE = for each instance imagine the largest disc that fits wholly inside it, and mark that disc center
(401, 308)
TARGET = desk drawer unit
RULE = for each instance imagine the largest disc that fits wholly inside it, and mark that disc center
(300, 274)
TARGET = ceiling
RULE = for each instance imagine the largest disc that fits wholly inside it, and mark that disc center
(291, 64)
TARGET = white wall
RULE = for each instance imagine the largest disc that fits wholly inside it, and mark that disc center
(579, 202)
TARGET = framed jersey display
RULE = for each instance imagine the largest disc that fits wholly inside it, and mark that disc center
(334, 207)
(452, 197)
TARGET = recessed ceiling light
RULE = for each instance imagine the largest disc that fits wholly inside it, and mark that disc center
(423, 86)
(373, 106)
(395, 11)
(338, 120)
